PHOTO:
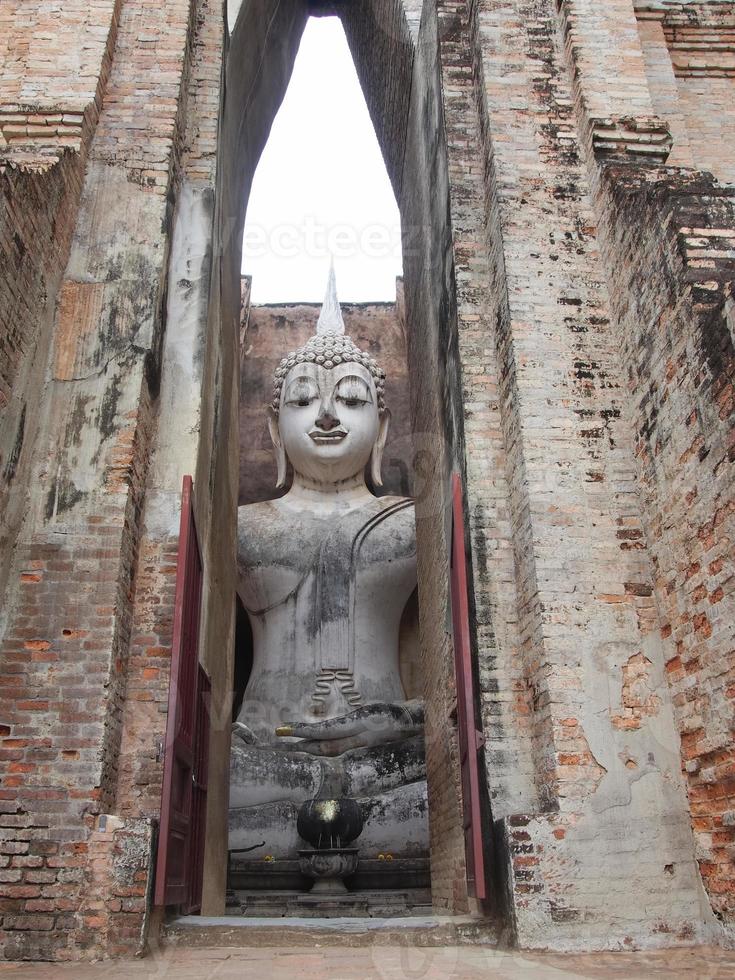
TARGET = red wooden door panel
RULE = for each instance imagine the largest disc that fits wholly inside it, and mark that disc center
(173, 867)
(470, 737)
(200, 776)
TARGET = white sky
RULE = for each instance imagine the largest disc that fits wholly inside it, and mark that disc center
(321, 186)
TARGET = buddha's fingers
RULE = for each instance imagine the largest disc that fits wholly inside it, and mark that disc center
(379, 722)
(333, 728)
(329, 747)
(364, 740)
(361, 719)
(242, 731)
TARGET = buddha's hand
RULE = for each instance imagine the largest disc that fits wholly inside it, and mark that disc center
(371, 724)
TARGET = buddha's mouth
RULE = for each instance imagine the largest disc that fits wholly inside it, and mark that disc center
(330, 435)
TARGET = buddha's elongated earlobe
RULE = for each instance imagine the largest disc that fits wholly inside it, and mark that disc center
(376, 459)
(278, 446)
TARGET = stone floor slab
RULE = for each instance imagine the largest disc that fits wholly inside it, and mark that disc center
(403, 962)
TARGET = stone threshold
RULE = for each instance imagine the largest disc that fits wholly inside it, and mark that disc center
(234, 931)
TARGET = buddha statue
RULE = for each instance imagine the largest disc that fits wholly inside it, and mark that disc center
(325, 572)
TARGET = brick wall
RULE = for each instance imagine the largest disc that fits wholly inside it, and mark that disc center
(694, 45)
(666, 242)
(52, 56)
(37, 217)
(662, 85)
(148, 665)
(430, 311)
(557, 86)
(60, 735)
(69, 610)
(47, 116)
(671, 239)
(380, 41)
(146, 695)
(504, 689)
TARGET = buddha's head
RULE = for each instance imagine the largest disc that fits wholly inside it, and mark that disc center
(328, 415)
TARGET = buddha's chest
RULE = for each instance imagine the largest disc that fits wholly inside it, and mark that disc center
(329, 567)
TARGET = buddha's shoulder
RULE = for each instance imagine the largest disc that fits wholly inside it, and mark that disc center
(263, 533)
(267, 517)
(395, 526)
(399, 508)
(390, 500)
(272, 517)
(259, 511)
(261, 519)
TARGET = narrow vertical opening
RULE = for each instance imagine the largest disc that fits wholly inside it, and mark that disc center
(400, 78)
(321, 195)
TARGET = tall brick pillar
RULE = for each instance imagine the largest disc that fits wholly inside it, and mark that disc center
(666, 232)
(80, 865)
(584, 752)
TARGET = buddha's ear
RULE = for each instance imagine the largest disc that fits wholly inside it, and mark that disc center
(376, 461)
(278, 446)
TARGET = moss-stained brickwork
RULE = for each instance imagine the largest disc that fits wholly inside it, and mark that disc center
(563, 170)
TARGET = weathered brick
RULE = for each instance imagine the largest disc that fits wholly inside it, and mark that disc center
(569, 315)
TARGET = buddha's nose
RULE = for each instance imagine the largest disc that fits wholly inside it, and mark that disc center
(327, 420)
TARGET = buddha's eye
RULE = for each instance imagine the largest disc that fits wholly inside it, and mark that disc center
(353, 392)
(301, 393)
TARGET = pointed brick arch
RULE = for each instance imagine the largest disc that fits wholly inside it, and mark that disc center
(402, 86)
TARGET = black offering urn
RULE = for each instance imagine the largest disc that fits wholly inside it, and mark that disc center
(330, 823)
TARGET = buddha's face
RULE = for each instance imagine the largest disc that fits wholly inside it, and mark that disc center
(328, 421)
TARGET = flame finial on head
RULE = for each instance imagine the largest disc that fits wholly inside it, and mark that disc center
(329, 346)
(330, 319)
